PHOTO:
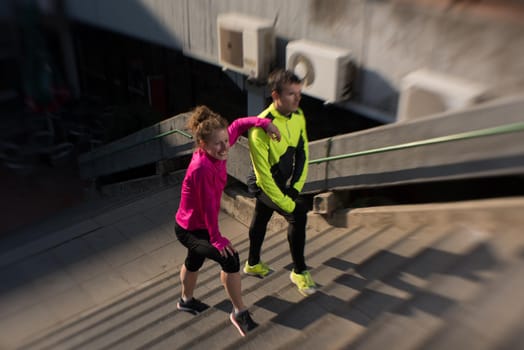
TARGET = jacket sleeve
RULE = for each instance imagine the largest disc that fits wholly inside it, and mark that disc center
(206, 195)
(259, 151)
(241, 125)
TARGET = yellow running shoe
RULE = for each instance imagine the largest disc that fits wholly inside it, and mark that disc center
(261, 269)
(304, 282)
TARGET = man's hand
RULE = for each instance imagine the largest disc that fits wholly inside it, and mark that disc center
(273, 132)
(292, 193)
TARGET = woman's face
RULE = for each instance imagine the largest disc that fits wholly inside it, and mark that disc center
(218, 144)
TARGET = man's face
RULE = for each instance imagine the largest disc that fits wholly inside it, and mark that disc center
(288, 100)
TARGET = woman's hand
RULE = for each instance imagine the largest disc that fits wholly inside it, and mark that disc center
(273, 132)
(228, 250)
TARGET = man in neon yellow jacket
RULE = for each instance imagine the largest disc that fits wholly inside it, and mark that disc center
(279, 173)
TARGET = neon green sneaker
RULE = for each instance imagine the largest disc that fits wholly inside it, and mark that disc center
(261, 269)
(304, 282)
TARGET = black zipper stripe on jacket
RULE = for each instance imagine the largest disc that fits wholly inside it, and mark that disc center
(300, 160)
(283, 169)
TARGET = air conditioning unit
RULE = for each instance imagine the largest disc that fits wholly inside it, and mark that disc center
(424, 92)
(327, 71)
(246, 44)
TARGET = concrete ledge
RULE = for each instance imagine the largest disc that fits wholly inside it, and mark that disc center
(240, 205)
(487, 213)
(142, 185)
(483, 214)
(325, 203)
(376, 161)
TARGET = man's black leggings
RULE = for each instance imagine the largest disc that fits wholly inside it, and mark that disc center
(296, 232)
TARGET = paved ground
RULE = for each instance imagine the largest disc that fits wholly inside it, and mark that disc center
(31, 198)
(61, 255)
(60, 271)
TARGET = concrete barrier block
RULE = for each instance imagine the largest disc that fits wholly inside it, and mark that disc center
(325, 203)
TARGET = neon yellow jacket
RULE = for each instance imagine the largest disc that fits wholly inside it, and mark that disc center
(279, 165)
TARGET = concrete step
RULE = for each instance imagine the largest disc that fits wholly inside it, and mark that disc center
(275, 294)
(492, 320)
(353, 316)
(143, 315)
(387, 271)
(477, 279)
(213, 326)
(327, 323)
(356, 270)
(156, 297)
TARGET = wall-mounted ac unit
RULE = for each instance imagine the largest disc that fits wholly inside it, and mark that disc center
(327, 71)
(424, 92)
(246, 44)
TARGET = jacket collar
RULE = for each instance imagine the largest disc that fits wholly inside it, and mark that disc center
(274, 111)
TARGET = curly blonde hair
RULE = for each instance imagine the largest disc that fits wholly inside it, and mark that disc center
(203, 122)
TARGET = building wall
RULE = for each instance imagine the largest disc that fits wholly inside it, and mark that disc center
(481, 41)
(5, 11)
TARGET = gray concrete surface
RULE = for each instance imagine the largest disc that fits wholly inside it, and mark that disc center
(109, 278)
(56, 277)
(80, 260)
(477, 41)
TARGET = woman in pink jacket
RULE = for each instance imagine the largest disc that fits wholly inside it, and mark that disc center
(196, 224)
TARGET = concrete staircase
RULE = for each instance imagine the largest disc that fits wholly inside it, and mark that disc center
(406, 277)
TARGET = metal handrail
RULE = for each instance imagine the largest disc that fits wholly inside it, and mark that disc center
(189, 136)
(159, 136)
(503, 129)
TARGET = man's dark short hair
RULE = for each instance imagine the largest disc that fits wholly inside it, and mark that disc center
(280, 77)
